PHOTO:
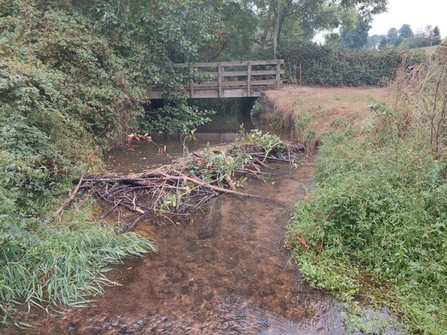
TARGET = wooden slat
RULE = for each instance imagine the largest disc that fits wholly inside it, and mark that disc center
(253, 73)
(226, 64)
(249, 78)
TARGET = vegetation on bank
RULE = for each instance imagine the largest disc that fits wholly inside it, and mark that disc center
(373, 229)
(73, 81)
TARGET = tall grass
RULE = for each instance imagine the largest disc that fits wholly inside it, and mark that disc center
(50, 264)
(375, 223)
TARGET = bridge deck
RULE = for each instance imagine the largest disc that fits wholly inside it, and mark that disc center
(228, 79)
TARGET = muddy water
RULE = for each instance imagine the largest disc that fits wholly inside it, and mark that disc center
(225, 271)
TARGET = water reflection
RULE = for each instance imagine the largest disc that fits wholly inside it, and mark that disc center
(141, 156)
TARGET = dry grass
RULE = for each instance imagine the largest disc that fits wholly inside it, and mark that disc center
(316, 110)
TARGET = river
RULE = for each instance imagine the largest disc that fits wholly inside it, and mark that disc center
(232, 277)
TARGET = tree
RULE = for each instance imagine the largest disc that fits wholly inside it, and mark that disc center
(436, 36)
(392, 36)
(405, 31)
(300, 20)
(354, 38)
(383, 44)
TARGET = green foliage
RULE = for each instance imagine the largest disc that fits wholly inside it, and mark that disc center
(311, 64)
(375, 224)
(378, 213)
(175, 117)
(74, 78)
(405, 31)
(265, 141)
(354, 38)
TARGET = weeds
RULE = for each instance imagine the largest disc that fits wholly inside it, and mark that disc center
(380, 211)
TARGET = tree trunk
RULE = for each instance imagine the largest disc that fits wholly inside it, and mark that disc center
(276, 31)
(267, 27)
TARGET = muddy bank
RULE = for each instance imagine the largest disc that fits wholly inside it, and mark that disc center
(231, 276)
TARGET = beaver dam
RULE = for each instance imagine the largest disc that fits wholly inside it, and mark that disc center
(171, 192)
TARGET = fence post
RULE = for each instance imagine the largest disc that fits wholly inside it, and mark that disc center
(219, 80)
(191, 81)
(248, 79)
(278, 74)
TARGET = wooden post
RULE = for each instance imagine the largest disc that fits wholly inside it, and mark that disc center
(249, 79)
(191, 82)
(219, 79)
(278, 74)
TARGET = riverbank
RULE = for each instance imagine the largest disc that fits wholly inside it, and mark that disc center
(371, 231)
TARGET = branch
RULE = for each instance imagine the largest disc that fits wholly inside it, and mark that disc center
(71, 197)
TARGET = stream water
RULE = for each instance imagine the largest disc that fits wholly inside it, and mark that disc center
(235, 279)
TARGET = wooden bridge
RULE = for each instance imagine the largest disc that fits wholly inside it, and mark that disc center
(228, 79)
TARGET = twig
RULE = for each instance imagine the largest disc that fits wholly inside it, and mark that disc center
(71, 197)
(110, 210)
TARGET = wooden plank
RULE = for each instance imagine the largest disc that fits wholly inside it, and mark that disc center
(235, 83)
(264, 82)
(226, 64)
(253, 72)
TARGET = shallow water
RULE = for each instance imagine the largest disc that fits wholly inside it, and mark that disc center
(226, 275)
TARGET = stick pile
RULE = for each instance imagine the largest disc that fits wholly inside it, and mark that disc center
(172, 192)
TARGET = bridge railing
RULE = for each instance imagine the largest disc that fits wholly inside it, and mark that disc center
(229, 79)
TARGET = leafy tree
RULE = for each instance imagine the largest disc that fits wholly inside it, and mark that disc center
(383, 43)
(405, 31)
(374, 40)
(392, 36)
(354, 38)
(299, 20)
(235, 32)
(436, 36)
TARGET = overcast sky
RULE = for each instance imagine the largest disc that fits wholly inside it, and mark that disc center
(417, 13)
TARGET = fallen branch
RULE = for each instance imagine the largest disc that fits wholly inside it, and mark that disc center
(71, 197)
(209, 186)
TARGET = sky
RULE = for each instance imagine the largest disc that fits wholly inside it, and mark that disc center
(417, 13)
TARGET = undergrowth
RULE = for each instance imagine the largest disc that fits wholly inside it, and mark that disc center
(374, 228)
